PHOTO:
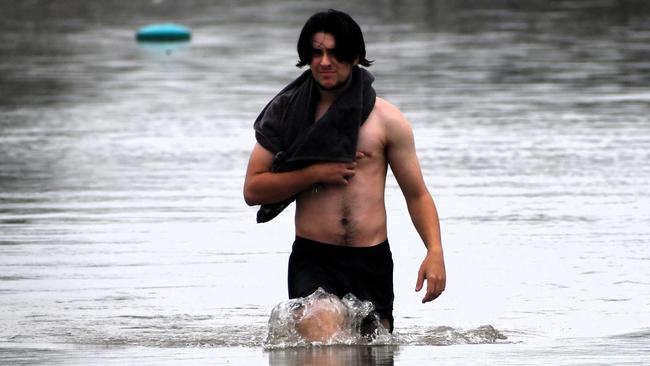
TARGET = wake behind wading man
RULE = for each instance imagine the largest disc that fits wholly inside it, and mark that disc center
(326, 141)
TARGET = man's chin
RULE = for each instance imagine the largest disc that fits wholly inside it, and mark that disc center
(330, 86)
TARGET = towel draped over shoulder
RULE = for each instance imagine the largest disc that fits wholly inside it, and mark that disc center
(286, 127)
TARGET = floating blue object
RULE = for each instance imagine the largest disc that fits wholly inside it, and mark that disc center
(163, 33)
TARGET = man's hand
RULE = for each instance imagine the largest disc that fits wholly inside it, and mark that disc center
(333, 173)
(433, 269)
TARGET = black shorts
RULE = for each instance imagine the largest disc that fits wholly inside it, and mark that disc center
(365, 272)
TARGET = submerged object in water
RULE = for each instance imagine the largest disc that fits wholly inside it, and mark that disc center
(165, 32)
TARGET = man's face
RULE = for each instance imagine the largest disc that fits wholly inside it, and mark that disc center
(328, 72)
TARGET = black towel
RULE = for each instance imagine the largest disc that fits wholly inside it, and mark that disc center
(286, 127)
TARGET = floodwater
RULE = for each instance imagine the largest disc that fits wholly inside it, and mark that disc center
(124, 237)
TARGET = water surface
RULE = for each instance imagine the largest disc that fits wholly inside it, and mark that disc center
(123, 231)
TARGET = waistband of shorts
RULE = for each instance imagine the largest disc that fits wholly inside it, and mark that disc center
(304, 245)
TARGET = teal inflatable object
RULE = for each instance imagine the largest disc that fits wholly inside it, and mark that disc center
(163, 33)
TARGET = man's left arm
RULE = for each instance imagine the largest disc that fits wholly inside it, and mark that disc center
(406, 168)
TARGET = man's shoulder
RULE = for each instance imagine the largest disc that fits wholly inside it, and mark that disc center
(388, 114)
(385, 107)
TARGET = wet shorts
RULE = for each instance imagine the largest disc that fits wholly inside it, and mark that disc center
(365, 272)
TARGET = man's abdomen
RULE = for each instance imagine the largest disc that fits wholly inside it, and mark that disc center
(352, 215)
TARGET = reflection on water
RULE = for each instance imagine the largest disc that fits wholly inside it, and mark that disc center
(162, 49)
(121, 216)
(334, 355)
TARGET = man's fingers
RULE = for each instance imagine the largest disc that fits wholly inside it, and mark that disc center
(347, 175)
(434, 289)
(338, 173)
(430, 289)
(349, 172)
(420, 281)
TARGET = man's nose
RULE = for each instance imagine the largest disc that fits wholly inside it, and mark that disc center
(325, 60)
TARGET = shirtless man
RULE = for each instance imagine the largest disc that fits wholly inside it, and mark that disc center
(340, 217)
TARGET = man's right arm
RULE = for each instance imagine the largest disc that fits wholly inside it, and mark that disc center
(263, 186)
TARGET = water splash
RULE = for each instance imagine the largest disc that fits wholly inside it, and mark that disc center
(447, 336)
(324, 319)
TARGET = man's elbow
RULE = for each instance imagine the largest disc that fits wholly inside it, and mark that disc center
(250, 197)
(419, 197)
(250, 201)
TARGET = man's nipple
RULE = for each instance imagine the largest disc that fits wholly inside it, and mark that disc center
(362, 155)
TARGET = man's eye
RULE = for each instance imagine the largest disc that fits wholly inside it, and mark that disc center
(317, 52)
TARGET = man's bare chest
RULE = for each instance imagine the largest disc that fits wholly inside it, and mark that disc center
(371, 144)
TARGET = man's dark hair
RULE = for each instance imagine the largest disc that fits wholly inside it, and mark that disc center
(346, 32)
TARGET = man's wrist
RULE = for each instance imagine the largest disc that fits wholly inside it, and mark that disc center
(311, 174)
(434, 249)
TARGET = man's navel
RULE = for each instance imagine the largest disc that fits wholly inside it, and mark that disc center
(346, 225)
